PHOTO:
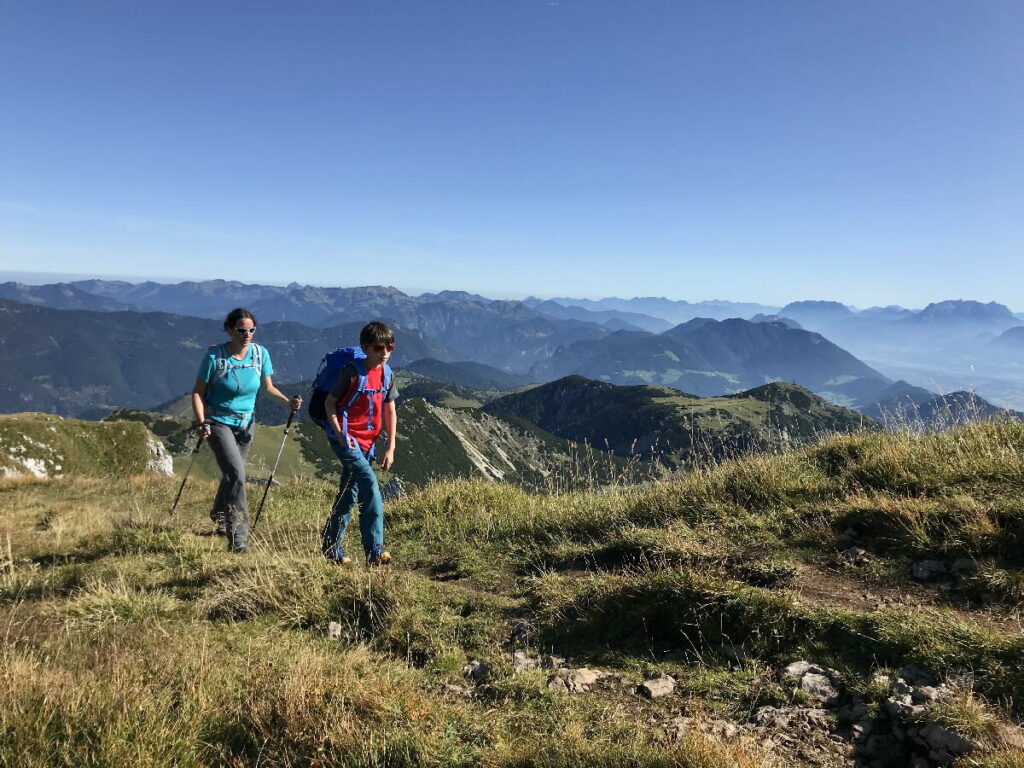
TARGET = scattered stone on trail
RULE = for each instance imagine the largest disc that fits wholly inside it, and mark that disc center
(550, 661)
(582, 679)
(659, 687)
(617, 682)
(334, 630)
(964, 565)
(925, 693)
(799, 668)
(459, 690)
(556, 683)
(804, 736)
(926, 570)
(916, 675)
(855, 555)
(943, 742)
(392, 490)
(522, 661)
(578, 680)
(475, 671)
(817, 682)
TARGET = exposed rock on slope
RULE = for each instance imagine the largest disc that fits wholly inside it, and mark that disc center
(435, 442)
(41, 445)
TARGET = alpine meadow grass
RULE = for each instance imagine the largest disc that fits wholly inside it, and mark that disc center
(130, 637)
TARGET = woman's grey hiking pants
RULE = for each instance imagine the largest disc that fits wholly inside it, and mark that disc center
(231, 448)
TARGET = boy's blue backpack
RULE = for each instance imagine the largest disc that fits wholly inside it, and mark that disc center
(327, 375)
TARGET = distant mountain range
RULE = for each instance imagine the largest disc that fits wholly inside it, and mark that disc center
(903, 405)
(82, 363)
(616, 340)
(503, 334)
(675, 312)
(709, 357)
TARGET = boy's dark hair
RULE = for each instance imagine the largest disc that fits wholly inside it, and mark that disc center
(376, 333)
(237, 314)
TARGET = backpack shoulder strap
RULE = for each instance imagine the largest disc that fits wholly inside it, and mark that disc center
(220, 367)
(359, 383)
(257, 359)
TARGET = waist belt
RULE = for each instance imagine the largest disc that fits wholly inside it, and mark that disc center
(243, 417)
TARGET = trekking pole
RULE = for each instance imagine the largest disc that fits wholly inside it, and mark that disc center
(284, 439)
(199, 444)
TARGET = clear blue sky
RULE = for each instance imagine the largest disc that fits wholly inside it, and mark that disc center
(869, 152)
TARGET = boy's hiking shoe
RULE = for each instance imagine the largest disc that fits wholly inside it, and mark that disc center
(239, 549)
(378, 555)
(337, 556)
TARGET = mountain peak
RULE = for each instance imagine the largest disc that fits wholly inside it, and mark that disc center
(967, 310)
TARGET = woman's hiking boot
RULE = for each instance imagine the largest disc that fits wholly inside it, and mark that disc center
(378, 555)
(237, 524)
(336, 555)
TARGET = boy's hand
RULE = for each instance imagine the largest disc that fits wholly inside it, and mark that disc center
(387, 460)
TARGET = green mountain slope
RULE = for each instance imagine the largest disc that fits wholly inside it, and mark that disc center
(303, 454)
(434, 443)
(647, 419)
(439, 443)
(43, 445)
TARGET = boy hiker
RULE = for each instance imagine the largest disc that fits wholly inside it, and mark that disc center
(357, 405)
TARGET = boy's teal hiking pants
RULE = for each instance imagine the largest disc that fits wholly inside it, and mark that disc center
(357, 485)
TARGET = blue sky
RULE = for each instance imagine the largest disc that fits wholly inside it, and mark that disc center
(868, 152)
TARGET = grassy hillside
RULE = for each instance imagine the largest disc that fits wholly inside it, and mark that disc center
(303, 454)
(437, 443)
(44, 445)
(680, 427)
(129, 640)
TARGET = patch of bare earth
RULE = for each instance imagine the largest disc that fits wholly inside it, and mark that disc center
(818, 585)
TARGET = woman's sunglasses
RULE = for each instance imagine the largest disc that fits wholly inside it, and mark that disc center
(245, 330)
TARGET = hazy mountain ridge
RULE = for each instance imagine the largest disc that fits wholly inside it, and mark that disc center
(59, 296)
(78, 362)
(610, 318)
(709, 357)
(672, 310)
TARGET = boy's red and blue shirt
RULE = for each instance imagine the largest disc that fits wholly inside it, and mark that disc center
(363, 428)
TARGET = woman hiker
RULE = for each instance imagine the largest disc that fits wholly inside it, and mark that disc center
(224, 401)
